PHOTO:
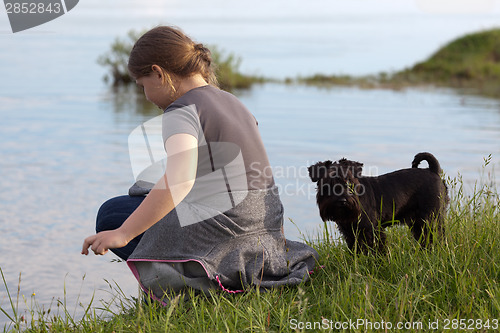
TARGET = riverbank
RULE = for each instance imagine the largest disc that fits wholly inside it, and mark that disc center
(470, 63)
(454, 285)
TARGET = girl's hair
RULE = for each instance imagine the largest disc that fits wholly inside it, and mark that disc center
(174, 52)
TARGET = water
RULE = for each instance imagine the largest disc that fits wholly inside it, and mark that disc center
(63, 137)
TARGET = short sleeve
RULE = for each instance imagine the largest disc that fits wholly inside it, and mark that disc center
(181, 119)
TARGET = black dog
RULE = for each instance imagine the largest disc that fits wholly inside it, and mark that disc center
(363, 206)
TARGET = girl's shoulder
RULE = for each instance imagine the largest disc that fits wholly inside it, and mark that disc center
(208, 96)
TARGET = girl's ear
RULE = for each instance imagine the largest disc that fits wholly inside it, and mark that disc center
(164, 76)
(157, 71)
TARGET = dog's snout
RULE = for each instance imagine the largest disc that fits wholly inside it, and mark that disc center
(342, 201)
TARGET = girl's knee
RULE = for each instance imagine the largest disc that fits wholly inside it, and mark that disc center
(115, 211)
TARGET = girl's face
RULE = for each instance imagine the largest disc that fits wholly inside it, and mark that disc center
(156, 90)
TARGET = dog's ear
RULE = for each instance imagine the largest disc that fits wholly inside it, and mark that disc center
(354, 167)
(318, 170)
(357, 168)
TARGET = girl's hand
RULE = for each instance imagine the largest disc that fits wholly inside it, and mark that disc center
(170, 189)
(100, 243)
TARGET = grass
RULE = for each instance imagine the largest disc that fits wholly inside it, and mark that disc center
(453, 285)
(473, 57)
(471, 61)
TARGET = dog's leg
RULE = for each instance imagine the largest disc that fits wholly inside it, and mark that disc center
(381, 237)
(426, 230)
(357, 236)
(348, 233)
(420, 231)
(436, 226)
(441, 215)
(440, 224)
(428, 221)
(375, 239)
(366, 235)
(429, 227)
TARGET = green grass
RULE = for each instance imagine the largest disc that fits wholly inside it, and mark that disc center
(471, 61)
(456, 282)
(473, 57)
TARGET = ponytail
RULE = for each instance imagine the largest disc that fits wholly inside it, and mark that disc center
(174, 52)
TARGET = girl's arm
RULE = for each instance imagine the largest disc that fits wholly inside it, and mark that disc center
(172, 188)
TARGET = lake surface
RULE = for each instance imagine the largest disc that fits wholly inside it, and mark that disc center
(63, 137)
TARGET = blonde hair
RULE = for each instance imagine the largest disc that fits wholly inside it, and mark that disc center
(174, 52)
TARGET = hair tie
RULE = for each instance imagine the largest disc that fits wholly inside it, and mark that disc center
(204, 52)
(199, 47)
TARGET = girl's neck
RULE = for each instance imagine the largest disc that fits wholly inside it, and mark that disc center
(191, 82)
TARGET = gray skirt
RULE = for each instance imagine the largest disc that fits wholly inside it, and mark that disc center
(241, 248)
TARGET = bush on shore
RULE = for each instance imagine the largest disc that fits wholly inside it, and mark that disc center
(226, 66)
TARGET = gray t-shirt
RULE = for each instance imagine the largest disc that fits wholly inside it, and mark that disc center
(231, 228)
(227, 133)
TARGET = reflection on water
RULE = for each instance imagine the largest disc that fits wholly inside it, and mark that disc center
(130, 99)
(61, 160)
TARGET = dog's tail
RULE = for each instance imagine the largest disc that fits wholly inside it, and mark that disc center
(433, 162)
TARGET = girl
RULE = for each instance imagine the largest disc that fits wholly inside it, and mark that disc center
(214, 220)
